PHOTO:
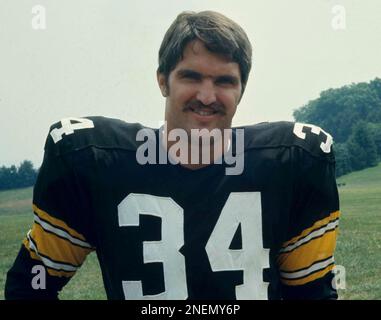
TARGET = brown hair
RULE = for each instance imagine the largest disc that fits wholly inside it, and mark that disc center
(218, 33)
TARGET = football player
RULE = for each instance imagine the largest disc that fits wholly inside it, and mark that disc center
(185, 230)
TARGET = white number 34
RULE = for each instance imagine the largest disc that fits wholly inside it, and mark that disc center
(241, 208)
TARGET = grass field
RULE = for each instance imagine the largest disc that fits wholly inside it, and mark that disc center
(358, 248)
(359, 242)
(15, 221)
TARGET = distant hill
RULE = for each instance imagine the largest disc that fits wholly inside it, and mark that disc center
(367, 178)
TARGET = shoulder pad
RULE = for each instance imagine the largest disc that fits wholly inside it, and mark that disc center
(309, 137)
(72, 134)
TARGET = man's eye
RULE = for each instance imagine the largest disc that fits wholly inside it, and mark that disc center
(226, 81)
(191, 77)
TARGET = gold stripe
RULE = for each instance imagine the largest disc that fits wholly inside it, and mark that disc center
(51, 272)
(57, 222)
(56, 273)
(308, 253)
(56, 248)
(31, 253)
(317, 225)
(312, 277)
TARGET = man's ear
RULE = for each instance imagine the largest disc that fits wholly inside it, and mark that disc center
(162, 81)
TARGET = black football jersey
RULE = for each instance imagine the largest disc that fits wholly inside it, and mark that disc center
(162, 231)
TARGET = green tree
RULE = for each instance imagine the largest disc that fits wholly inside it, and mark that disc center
(375, 130)
(376, 86)
(12, 177)
(362, 147)
(26, 174)
(4, 178)
(12, 180)
(339, 110)
(343, 159)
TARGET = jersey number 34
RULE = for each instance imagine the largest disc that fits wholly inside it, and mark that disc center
(241, 208)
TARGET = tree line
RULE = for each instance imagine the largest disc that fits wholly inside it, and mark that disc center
(352, 115)
(18, 177)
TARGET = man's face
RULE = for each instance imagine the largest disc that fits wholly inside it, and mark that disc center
(203, 90)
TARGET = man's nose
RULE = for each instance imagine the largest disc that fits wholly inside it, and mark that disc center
(206, 92)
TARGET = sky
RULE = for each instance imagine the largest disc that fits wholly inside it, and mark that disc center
(99, 57)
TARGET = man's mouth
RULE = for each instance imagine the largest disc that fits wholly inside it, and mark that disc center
(204, 112)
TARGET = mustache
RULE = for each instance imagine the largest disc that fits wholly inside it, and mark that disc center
(195, 104)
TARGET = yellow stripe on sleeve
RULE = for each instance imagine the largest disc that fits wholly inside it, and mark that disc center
(52, 272)
(311, 277)
(57, 222)
(58, 249)
(305, 255)
(318, 224)
(32, 254)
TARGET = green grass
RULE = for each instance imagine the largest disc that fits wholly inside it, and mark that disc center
(359, 242)
(358, 247)
(16, 201)
(15, 220)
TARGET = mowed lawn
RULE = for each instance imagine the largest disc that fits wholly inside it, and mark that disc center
(358, 248)
(15, 220)
(359, 242)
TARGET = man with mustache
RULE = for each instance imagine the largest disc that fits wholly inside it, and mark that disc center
(187, 230)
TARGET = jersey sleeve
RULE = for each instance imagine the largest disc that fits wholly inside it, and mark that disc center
(60, 237)
(306, 258)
